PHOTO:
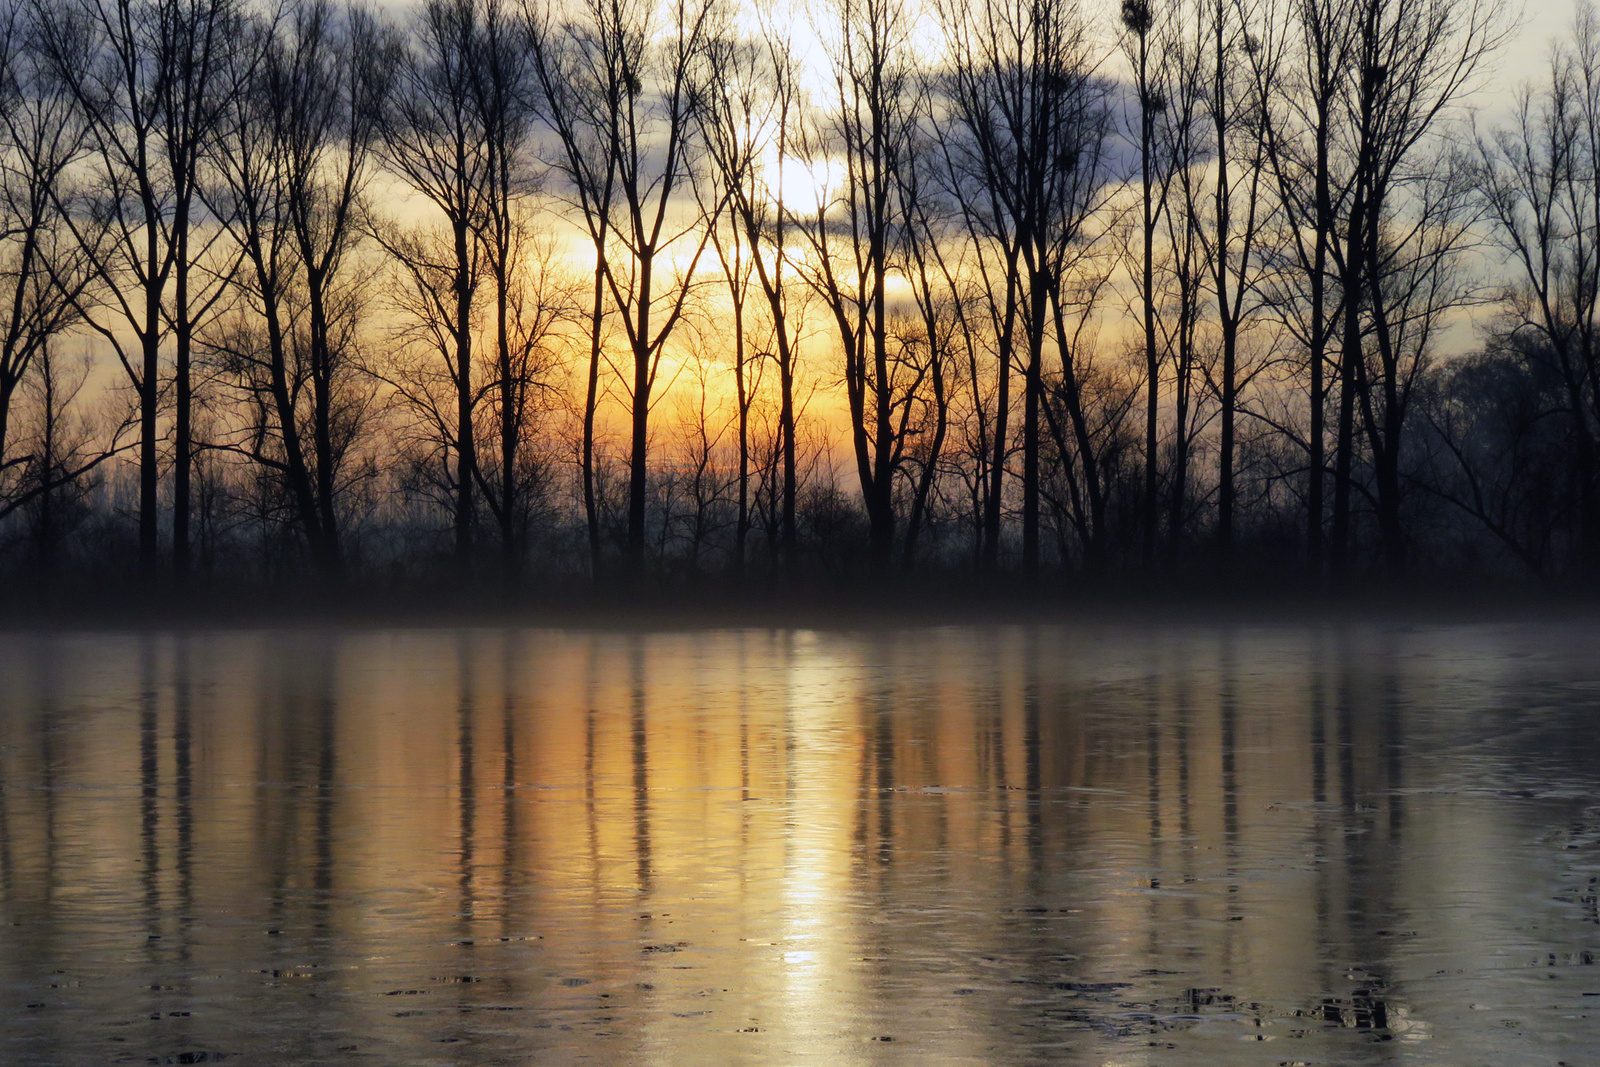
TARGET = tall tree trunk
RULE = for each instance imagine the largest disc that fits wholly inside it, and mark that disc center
(1148, 300)
(638, 466)
(1316, 460)
(995, 495)
(149, 398)
(1032, 397)
(510, 406)
(591, 399)
(882, 511)
(288, 428)
(741, 531)
(1385, 429)
(1229, 320)
(1350, 358)
(466, 450)
(1082, 441)
(1177, 490)
(786, 427)
(182, 431)
(327, 548)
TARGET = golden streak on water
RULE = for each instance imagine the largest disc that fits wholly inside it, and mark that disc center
(1079, 845)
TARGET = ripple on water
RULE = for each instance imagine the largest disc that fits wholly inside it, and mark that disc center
(1177, 845)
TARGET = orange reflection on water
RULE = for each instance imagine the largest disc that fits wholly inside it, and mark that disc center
(966, 845)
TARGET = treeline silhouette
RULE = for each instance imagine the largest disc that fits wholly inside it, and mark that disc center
(538, 290)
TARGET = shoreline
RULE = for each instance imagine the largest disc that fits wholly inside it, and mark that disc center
(891, 606)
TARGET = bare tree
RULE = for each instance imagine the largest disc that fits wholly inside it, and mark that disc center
(43, 273)
(531, 299)
(728, 94)
(1026, 154)
(1413, 65)
(68, 440)
(1537, 182)
(870, 128)
(1231, 233)
(700, 468)
(1313, 42)
(1138, 20)
(580, 84)
(434, 138)
(615, 80)
(929, 341)
(146, 80)
(747, 110)
(977, 145)
(1182, 150)
(288, 180)
(536, 304)
(1500, 446)
(49, 445)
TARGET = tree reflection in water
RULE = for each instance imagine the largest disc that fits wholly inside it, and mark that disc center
(1085, 845)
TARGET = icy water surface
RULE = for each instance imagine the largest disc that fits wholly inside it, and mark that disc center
(1096, 846)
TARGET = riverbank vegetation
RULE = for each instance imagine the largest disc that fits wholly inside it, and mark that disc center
(522, 295)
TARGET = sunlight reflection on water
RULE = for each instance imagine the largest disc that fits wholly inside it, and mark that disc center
(1083, 845)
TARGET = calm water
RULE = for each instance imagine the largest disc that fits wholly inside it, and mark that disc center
(1085, 845)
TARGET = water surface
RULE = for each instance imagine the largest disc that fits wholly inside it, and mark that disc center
(1078, 845)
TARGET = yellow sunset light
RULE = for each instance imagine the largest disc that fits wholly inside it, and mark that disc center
(802, 185)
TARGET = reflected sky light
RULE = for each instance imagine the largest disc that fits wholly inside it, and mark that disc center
(967, 846)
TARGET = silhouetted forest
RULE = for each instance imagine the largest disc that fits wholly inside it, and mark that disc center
(533, 291)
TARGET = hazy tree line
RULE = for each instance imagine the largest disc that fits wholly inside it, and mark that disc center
(520, 288)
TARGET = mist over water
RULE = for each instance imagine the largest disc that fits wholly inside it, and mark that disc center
(1077, 844)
